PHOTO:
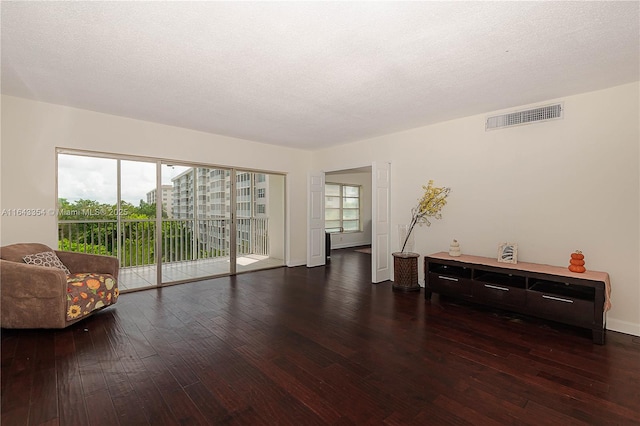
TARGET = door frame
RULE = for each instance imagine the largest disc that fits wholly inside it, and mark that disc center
(375, 250)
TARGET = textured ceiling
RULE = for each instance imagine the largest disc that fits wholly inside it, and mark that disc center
(310, 74)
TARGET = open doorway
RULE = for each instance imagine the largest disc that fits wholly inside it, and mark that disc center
(348, 207)
(373, 230)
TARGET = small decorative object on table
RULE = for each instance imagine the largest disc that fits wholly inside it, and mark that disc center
(454, 249)
(508, 253)
(405, 265)
(576, 264)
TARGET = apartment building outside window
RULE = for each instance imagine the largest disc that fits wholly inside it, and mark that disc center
(342, 207)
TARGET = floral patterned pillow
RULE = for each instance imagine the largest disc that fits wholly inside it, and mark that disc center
(46, 258)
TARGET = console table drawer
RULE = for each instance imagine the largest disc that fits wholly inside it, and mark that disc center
(563, 308)
(450, 285)
(499, 294)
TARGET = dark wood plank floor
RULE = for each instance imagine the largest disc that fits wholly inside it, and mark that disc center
(322, 346)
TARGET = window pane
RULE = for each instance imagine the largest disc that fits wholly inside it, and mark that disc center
(98, 182)
(351, 191)
(350, 214)
(332, 203)
(342, 207)
(332, 224)
(351, 203)
(332, 214)
(332, 189)
(351, 225)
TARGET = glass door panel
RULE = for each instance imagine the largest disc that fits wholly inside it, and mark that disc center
(137, 223)
(87, 199)
(103, 211)
(259, 220)
(195, 232)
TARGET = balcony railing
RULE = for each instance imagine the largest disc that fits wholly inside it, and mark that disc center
(133, 241)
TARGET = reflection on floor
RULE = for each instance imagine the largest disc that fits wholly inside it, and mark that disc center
(133, 278)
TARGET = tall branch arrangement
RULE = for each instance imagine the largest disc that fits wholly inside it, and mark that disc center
(429, 206)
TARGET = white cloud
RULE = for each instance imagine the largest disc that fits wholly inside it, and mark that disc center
(92, 178)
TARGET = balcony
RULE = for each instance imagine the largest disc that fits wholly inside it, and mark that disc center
(190, 249)
(137, 277)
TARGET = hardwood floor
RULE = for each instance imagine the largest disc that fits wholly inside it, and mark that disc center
(298, 346)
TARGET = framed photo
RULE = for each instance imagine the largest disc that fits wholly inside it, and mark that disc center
(508, 253)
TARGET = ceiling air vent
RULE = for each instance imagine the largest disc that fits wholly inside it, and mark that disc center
(528, 116)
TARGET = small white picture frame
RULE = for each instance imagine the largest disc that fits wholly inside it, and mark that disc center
(508, 253)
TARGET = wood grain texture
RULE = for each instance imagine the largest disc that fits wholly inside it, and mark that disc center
(320, 346)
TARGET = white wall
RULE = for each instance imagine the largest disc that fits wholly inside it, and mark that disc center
(551, 187)
(354, 239)
(31, 131)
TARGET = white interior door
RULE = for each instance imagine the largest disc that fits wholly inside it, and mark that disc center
(315, 219)
(380, 228)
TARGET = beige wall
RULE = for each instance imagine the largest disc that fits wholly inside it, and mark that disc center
(31, 131)
(550, 187)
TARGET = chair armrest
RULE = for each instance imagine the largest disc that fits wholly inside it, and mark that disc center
(20, 280)
(85, 262)
(32, 296)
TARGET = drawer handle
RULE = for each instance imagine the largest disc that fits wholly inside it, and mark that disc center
(447, 278)
(495, 287)
(559, 299)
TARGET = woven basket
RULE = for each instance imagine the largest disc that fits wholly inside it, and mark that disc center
(405, 271)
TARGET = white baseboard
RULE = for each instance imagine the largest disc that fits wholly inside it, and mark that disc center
(623, 327)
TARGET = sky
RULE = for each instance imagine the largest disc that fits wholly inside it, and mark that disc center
(92, 178)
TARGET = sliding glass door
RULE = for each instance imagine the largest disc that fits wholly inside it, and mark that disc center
(169, 222)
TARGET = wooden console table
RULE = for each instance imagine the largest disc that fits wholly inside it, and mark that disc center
(549, 292)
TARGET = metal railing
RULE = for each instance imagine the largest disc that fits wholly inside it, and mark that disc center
(133, 241)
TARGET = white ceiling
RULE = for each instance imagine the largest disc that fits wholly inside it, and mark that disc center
(313, 74)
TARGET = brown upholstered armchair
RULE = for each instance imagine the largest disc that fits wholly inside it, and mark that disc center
(36, 296)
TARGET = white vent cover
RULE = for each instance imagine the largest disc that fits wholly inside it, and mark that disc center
(528, 116)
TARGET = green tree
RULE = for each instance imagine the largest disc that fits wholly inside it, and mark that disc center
(149, 210)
